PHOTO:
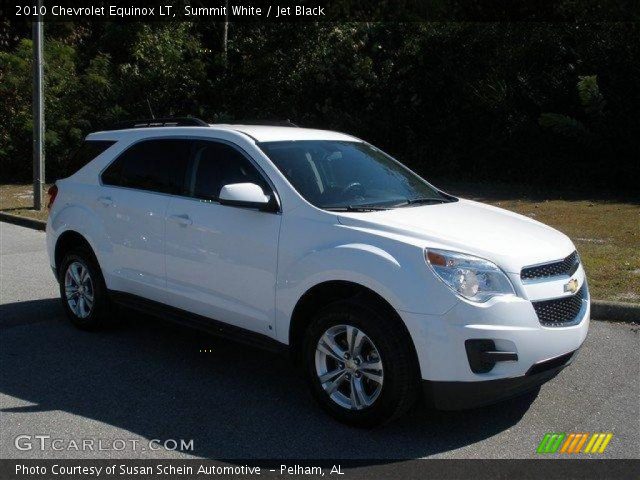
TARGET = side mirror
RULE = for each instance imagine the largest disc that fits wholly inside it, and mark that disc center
(247, 195)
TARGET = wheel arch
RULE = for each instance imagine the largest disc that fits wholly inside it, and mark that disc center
(329, 291)
(65, 241)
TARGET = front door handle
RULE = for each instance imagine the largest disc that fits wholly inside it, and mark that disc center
(106, 201)
(183, 220)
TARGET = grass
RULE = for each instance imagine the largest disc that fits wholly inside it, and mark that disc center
(17, 199)
(606, 235)
(606, 232)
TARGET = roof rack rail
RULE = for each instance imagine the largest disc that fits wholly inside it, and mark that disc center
(160, 122)
(269, 123)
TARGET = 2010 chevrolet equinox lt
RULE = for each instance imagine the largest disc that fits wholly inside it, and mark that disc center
(380, 285)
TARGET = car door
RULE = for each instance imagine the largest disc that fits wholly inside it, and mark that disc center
(221, 260)
(131, 205)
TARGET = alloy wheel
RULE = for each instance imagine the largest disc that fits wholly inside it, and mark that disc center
(78, 288)
(349, 367)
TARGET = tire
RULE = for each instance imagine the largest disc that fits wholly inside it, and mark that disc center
(385, 393)
(90, 307)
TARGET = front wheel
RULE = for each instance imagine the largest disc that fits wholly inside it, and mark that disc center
(359, 364)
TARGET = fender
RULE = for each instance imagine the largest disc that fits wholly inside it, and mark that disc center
(370, 266)
(83, 221)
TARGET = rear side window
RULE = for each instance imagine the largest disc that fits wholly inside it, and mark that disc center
(154, 165)
(89, 150)
(216, 165)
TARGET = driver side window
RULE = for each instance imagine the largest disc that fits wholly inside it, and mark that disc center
(304, 170)
(218, 164)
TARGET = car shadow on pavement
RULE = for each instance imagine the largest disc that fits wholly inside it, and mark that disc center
(162, 381)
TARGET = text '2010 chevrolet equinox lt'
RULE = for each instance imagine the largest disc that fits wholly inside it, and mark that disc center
(380, 285)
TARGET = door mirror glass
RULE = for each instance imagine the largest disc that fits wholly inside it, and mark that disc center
(245, 195)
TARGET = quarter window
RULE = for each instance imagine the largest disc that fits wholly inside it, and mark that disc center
(154, 165)
(89, 150)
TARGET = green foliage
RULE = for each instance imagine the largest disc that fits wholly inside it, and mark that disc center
(563, 124)
(593, 104)
(464, 100)
(165, 71)
(590, 97)
(62, 118)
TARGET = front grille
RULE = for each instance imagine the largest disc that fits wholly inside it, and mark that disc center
(567, 266)
(560, 311)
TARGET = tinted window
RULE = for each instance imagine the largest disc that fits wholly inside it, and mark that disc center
(89, 150)
(217, 165)
(338, 174)
(156, 165)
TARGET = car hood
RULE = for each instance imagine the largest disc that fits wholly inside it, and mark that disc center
(510, 240)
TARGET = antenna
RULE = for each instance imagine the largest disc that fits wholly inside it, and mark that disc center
(150, 110)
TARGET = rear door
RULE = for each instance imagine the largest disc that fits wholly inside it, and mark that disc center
(132, 202)
(221, 260)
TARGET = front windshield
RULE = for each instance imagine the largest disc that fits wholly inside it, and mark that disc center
(337, 175)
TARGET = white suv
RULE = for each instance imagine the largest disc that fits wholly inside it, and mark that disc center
(377, 283)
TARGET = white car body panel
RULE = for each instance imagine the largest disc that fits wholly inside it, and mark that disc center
(510, 240)
(511, 322)
(223, 264)
(135, 220)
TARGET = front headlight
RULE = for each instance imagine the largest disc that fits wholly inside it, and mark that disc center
(471, 277)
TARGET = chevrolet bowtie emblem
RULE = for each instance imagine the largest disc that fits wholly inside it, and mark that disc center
(571, 286)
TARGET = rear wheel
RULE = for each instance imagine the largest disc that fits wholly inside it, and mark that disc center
(359, 365)
(82, 290)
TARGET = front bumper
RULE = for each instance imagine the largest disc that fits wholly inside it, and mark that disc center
(465, 395)
(510, 323)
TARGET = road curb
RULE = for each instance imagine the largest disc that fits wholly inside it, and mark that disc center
(615, 311)
(600, 309)
(23, 221)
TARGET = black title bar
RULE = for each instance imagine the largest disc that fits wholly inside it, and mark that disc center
(327, 10)
(337, 469)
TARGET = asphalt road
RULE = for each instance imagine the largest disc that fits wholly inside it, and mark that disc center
(149, 380)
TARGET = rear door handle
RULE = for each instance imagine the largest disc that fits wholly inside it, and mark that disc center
(182, 219)
(106, 201)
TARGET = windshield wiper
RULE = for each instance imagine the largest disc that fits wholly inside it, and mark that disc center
(422, 201)
(356, 208)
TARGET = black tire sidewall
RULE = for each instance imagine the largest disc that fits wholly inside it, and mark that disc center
(98, 314)
(378, 329)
